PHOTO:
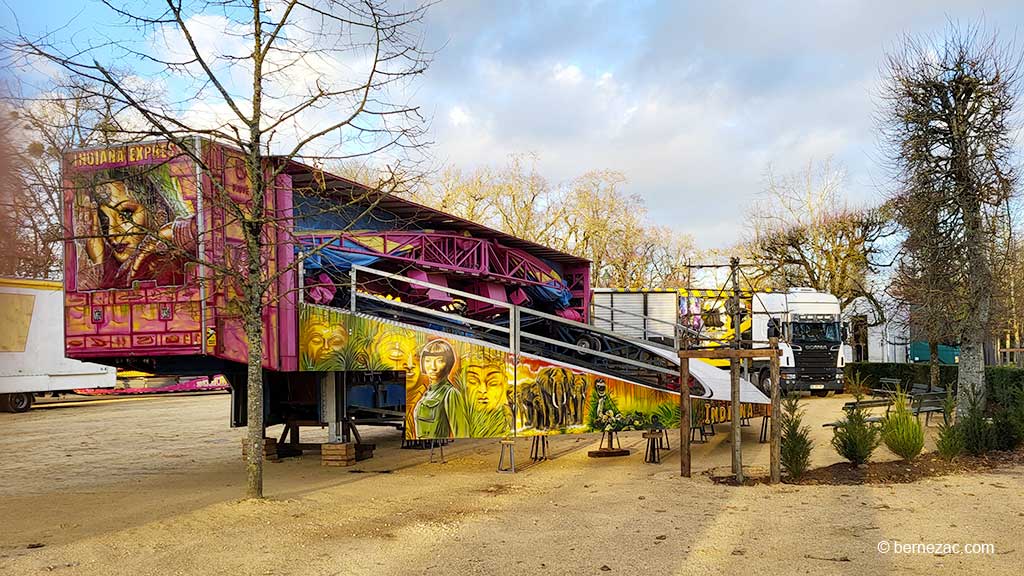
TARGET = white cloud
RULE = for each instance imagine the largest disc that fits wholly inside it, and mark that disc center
(569, 75)
(458, 116)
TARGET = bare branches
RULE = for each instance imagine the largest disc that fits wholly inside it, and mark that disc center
(272, 80)
(948, 105)
(803, 234)
(590, 217)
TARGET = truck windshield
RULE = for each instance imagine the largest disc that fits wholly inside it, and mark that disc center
(816, 332)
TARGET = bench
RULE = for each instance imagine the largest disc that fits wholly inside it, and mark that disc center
(874, 403)
(927, 403)
(867, 404)
(869, 420)
(890, 384)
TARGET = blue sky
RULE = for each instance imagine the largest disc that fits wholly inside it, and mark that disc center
(692, 101)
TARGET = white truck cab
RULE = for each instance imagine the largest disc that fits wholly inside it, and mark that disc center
(811, 339)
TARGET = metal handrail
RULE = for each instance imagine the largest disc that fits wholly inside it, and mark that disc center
(598, 353)
(675, 334)
(514, 330)
(453, 317)
(408, 280)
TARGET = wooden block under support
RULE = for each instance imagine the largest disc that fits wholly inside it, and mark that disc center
(364, 451)
(338, 454)
(339, 464)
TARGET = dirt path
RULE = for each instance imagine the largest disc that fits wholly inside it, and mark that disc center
(151, 487)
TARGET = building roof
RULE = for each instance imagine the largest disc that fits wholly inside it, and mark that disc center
(424, 216)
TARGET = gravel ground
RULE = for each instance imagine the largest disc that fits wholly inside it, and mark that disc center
(152, 486)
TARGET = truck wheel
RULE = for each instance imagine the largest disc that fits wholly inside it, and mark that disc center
(764, 382)
(19, 402)
(819, 393)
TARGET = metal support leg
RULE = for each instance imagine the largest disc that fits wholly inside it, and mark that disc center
(507, 447)
(440, 447)
(539, 448)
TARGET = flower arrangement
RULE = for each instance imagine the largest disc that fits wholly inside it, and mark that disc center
(612, 421)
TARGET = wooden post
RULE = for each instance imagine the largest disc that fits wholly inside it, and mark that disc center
(684, 416)
(734, 371)
(737, 457)
(776, 445)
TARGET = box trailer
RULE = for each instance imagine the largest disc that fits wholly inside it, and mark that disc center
(32, 358)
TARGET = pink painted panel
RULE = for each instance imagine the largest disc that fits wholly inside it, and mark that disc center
(132, 213)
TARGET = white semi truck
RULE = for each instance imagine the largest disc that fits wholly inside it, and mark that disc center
(810, 326)
(32, 358)
(811, 339)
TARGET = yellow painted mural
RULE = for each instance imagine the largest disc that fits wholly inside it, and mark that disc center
(458, 389)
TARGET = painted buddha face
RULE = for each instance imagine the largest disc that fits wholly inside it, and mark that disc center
(397, 351)
(324, 340)
(487, 386)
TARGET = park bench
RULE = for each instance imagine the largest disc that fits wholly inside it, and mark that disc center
(866, 404)
(889, 384)
(927, 403)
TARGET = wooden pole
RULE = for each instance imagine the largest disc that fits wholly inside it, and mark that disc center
(734, 372)
(684, 387)
(684, 416)
(737, 456)
(776, 445)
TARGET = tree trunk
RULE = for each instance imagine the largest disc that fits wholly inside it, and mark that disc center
(254, 402)
(971, 374)
(933, 359)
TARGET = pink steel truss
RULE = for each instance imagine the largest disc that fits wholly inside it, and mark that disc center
(448, 251)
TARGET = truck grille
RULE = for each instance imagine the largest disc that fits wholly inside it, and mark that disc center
(812, 361)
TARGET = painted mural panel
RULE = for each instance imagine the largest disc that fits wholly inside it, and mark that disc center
(453, 388)
(133, 215)
(458, 389)
(129, 260)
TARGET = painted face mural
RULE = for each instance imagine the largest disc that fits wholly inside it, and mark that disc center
(134, 223)
(457, 389)
(486, 386)
(324, 341)
(397, 350)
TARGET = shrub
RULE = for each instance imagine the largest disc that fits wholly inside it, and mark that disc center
(977, 431)
(856, 384)
(951, 439)
(796, 438)
(1008, 418)
(854, 438)
(901, 431)
(997, 378)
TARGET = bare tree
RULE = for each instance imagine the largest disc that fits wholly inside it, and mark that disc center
(589, 216)
(947, 120)
(280, 81)
(803, 233)
(43, 126)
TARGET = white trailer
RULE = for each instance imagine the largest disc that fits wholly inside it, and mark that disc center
(32, 346)
(643, 315)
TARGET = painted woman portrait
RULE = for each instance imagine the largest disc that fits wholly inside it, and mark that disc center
(440, 412)
(135, 226)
